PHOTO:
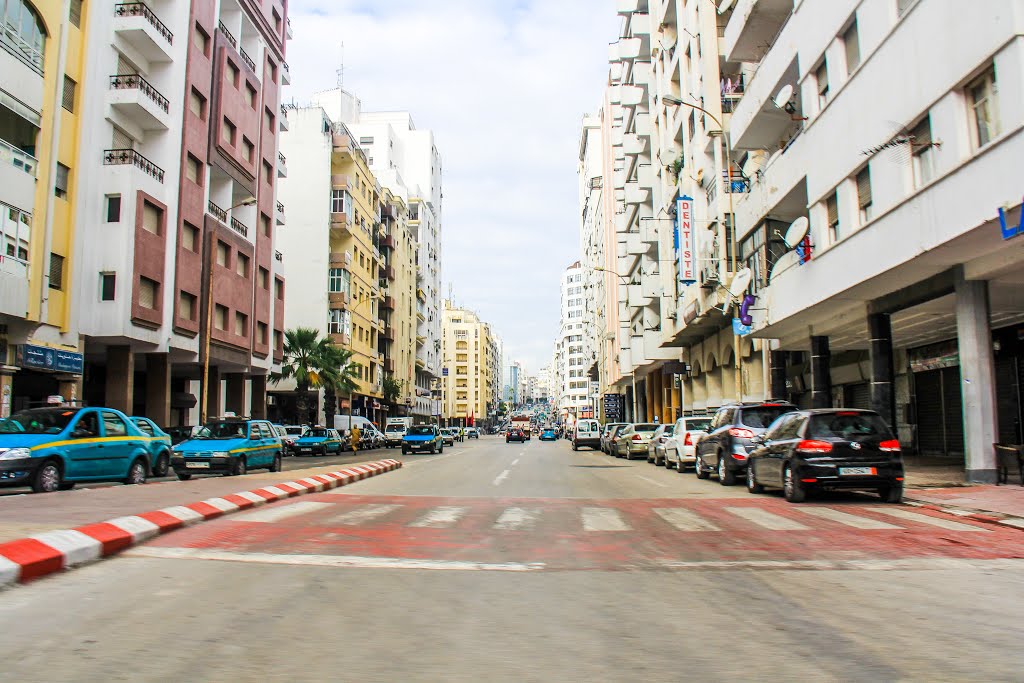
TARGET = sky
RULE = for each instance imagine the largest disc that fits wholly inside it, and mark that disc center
(504, 85)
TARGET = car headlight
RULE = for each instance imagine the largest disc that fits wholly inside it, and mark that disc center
(220, 454)
(15, 454)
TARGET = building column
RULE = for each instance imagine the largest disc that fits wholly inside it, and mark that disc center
(258, 397)
(212, 392)
(821, 373)
(120, 387)
(158, 387)
(977, 380)
(883, 399)
(778, 376)
(234, 395)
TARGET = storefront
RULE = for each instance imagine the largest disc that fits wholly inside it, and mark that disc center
(39, 373)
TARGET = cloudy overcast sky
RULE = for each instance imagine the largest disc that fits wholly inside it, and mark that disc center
(504, 85)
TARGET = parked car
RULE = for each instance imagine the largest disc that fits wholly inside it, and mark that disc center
(656, 446)
(229, 445)
(586, 433)
(449, 435)
(289, 434)
(472, 433)
(515, 434)
(422, 438)
(827, 449)
(54, 448)
(372, 438)
(159, 446)
(179, 433)
(319, 441)
(730, 437)
(548, 435)
(632, 440)
(680, 446)
(607, 434)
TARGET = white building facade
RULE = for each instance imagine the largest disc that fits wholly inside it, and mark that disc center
(573, 355)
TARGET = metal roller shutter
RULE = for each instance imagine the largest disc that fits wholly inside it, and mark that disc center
(931, 437)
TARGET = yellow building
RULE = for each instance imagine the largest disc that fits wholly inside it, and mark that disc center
(399, 303)
(41, 66)
(467, 353)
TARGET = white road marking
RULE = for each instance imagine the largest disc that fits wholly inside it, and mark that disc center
(275, 514)
(441, 517)
(767, 519)
(513, 519)
(651, 481)
(603, 519)
(330, 560)
(516, 461)
(915, 564)
(362, 514)
(500, 478)
(685, 520)
(926, 519)
(846, 518)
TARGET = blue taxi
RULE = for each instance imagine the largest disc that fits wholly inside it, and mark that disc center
(318, 441)
(229, 445)
(422, 438)
(159, 446)
(54, 448)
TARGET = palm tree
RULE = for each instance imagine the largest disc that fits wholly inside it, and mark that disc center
(308, 360)
(392, 389)
(339, 376)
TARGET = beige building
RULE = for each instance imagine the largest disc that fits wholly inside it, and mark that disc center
(469, 369)
(399, 304)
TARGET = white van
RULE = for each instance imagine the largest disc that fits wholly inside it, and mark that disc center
(341, 423)
(587, 433)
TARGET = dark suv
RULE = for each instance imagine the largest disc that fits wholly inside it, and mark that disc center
(730, 438)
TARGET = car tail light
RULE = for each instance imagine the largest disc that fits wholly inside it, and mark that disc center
(637, 437)
(740, 433)
(809, 480)
(890, 446)
(687, 441)
(847, 413)
(812, 446)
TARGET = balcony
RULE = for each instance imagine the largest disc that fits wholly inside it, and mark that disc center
(135, 98)
(388, 242)
(288, 33)
(279, 213)
(340, 224)
(278, 256)
(753, 28)
(17, 177)
(125, 157)
(629, 6)
(421, 314)
(388, 272)
(282, 166)
(227, 34)
(388, 303)
(239, 227)
(339, 299)
(214, 210)
(13, 286)
(340, 182)
(286, 74)
(341, 143)
(630, 48)
(138, 25)
(388, 333)
(340, 259)
(637, 193)
(635, 145)
(282, 120)
(247, 59)
(633, 95)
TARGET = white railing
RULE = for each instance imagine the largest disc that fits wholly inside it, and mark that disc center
(19, 159)
(13, 266)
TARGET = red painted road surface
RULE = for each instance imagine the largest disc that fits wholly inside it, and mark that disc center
(598, 534)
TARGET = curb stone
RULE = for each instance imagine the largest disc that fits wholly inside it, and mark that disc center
(967, 513)
(25, 559)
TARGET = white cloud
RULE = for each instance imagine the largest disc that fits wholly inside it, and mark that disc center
(504, 85)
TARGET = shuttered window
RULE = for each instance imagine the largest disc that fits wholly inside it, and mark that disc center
(60, 185)
(121, 140)
(822, 77)
(832, 206)
(56, 271)
(190, 237)
(67, 98)
(923, 156)
(108, 282)
(148, 290)
(75, 13)
(151, 218)
(187, 306)
(864, 194)
(220, 317)
(851, 41)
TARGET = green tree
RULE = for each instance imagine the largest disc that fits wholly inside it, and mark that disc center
(340, 377)
(392, 389)
(313, 362)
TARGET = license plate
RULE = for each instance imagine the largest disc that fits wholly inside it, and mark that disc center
(197, 465)
(857, 471)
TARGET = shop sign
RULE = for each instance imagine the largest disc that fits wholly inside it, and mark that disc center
(1009, 231)
(45, 358)
(739, 329)
(934, 356)
(686, 251)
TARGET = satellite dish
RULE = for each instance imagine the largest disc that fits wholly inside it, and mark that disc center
(784, 263)
(724, 6)
(740, 282)
(797, 232)
(784, 96)
(771, 159)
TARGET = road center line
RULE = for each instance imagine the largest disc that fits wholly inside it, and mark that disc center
(501, 477)
(516, 461)
(651, 481)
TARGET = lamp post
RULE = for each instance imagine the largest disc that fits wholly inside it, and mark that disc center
(208, 333)
(668, 99)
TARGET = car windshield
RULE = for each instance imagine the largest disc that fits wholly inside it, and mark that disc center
(848, 426)
(317, 432)
(698, 424)
(645, 428)
(421, 431)
(761, 416)
(38, 421)
(221, 430)
(293, 431)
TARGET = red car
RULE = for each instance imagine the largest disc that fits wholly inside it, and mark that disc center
(515, 435)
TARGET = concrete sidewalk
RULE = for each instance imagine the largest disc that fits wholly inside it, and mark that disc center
(22, 516)
(940, 483)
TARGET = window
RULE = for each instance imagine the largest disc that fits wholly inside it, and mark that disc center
(261, 333)
(67, 98)
(223, 254)
(197, 104)
(190, 237)
(268, 173)
(187, 306)
(338, 202)
(265, 224)
(23, 28)
(60, 187)
(148, 290)
(151, 217)
(220, 317)
(145, 427)
(113, 208)
(193, 170)
(902, 6)
(232, 71)
(279, 290)
(821, 75)
(272, 71)
(864, 194)
(366, 141)
(56, 271)
(75, 13)
(201, 39)
(268, 119)
(248, 150)
(241, 324)
(264, 279)
(113, 425)
(832, 207)
(923, 157)
(277, 21)
(337, 321)
(983, 97)
(107, 286)
(250, 95)
(242, 265)
(227, 132)
(851, 41)
(335, 279)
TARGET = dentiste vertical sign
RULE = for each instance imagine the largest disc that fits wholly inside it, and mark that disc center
(686, 251)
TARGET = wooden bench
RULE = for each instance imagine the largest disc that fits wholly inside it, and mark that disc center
(1008, 457)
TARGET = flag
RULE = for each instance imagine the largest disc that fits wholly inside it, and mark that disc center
(472, 418)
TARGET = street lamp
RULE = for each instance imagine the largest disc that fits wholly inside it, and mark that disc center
(669, 99)
(208, 333)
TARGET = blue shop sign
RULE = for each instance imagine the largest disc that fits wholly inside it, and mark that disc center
(1009, 231)
(45, 358)
(739, 329)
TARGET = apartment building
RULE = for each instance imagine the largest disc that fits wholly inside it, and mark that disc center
(466, 373)
(399, 303)
(42, 68)
(574, 355)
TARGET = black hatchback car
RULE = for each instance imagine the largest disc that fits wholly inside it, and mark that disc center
(731, 435)
(827, 449)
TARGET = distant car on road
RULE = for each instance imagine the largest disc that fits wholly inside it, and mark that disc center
(422, 438)
(449, 436)
(632, 440)
(159, 446)
(179, 433)
(607, 434)
(680, 447)
(548, 435)
(656, 446)
(515, 435)
(472, 433)
(587, 433)
(318, 441)
(229, 445)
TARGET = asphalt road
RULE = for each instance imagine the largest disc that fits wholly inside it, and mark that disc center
(509, 562)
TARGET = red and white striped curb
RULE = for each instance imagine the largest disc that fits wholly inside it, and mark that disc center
(29, 558)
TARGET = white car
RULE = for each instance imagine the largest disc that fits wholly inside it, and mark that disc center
(679, 448)
(448, 436)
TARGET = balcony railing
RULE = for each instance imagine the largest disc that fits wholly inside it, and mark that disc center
(227, 34)
(732, 92)
(137, 82)
(278, 256)
(217, 212)
(17, 158)
(280, 207)
(141, 9)
(123, 157)
(248, 60)
(284, 110)
(239, 227)
(285, 65)
(280, 157)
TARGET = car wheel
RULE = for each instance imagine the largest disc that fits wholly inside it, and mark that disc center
(47, 478)
(791, 488)
(891, 494)
(239, 468)
(698, 469)
(752, 484)
(574, 446)
(163, 463)
(276, 465)
(183, 476)
(405, 451)
(136, 473)
(726, 477)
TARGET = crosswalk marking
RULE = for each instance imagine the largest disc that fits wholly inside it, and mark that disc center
(927, 519)
(275, 514)
(440, 517)
(767, 519)
(685, 520)
(363, 514)
(517, 518)
(603, 519)
(846, 518)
